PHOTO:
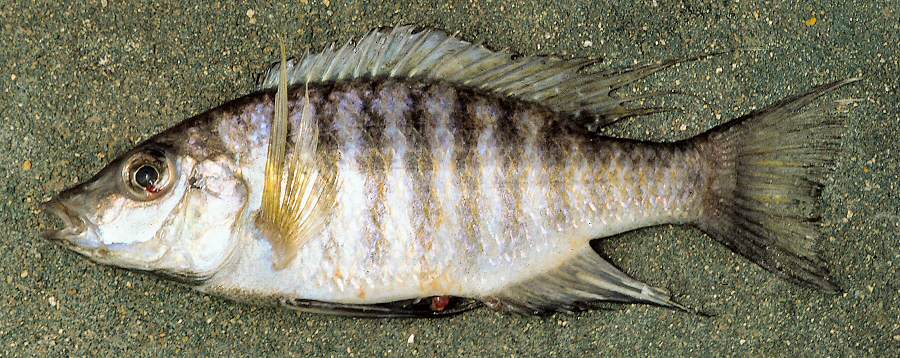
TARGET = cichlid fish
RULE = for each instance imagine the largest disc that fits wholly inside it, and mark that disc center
(414, 174)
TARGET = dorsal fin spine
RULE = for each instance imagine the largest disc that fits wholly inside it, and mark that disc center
(470, 75)
(364, 58)
(432, 58)
(376, 67)
(338, 57)
(319, 62)
(446, 67)
(409, 54)
(360, 54)
(398, 40)
(342, 69)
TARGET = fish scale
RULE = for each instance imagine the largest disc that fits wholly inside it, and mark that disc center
(465, 147)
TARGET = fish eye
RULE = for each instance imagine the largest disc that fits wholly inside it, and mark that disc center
(147, 174)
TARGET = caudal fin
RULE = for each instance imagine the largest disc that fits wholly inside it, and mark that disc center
(770, 166)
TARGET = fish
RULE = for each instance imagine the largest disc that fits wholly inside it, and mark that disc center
(411, 173)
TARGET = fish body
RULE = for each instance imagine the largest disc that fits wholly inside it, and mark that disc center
(396, 171)
(448, 191)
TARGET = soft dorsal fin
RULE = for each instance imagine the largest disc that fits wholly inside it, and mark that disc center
(297, 195)
(404, 52)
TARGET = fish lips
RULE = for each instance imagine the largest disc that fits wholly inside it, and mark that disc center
(77, 234)
(74, 225)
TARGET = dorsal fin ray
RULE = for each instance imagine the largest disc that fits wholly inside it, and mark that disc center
(404, 52)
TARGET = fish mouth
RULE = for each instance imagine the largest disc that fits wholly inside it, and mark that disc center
(73, 224)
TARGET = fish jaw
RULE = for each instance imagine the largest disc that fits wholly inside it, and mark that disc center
(73, 224)
(75, 234)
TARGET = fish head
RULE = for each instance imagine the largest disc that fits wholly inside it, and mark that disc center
(156, 208)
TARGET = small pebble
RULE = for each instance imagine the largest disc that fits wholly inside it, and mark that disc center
(810, 22)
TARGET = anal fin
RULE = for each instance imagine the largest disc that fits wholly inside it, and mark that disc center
(584, 282)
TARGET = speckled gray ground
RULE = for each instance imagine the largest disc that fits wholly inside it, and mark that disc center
(83, 83)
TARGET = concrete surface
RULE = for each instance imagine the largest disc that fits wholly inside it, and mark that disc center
(81, 83)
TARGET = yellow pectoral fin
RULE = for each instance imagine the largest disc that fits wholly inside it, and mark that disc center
(297, 195)
(303, 206)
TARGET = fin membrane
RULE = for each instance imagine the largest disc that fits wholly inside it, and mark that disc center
(404, 52)
(770, 166)
(297, 195)
(584, 282)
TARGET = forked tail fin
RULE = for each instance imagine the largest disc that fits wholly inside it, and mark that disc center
(770, 166)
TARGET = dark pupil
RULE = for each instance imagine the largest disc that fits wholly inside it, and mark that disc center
(146, 176)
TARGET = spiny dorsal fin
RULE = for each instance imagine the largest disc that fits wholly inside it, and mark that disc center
(295, 201)
(405, 52)
(582, 283)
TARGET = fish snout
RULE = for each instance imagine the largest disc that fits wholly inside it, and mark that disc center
(74, 225)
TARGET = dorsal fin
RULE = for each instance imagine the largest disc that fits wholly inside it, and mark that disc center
(404, 52)
(297, 196)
